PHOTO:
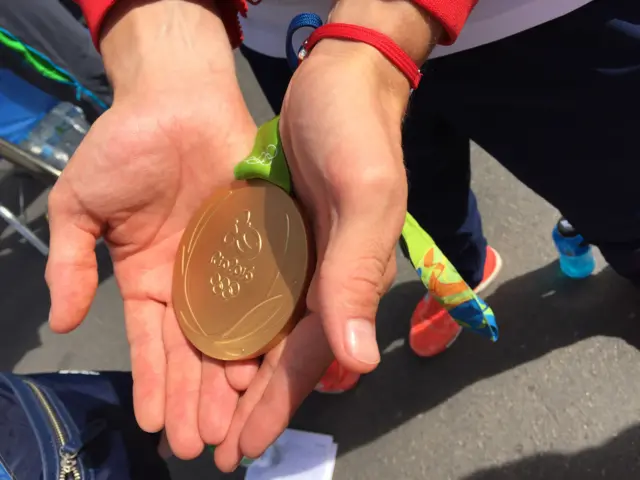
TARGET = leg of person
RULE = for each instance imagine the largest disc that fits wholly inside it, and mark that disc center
(557, 106)
(439, 175)
(440, 199)
(49, 27)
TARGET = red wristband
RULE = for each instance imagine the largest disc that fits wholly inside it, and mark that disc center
(387, 47)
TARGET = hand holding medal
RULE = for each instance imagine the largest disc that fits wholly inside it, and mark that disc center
(246, 258)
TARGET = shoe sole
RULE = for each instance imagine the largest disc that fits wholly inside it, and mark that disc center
(453, 340)
(496, 271)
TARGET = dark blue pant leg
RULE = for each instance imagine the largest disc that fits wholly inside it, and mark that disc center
(559, 107)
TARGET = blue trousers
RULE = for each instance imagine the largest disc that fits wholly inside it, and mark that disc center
(557, 105)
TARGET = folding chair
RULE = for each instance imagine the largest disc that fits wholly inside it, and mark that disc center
(30, 86)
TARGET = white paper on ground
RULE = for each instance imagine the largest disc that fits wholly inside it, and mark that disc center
(298, 455)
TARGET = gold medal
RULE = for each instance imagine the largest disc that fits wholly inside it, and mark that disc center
(242, 270)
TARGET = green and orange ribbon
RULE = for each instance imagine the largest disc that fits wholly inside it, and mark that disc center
(268, 162)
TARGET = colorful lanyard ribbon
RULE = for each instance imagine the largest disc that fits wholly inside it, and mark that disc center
(439, 276)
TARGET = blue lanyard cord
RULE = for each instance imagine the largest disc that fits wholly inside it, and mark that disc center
(303, 20)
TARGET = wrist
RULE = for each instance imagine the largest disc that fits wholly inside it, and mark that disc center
(407, 24)
(147, 44)
(356, 63)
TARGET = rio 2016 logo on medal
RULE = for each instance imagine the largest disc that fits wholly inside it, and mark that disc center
(241, 272)
(244, 244)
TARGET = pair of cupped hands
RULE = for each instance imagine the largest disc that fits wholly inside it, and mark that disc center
(172, 137)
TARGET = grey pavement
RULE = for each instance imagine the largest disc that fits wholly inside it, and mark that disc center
(556, 398)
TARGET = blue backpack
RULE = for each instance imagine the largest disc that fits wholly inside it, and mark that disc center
(74, 426)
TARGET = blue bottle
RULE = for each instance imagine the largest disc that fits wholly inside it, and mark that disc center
(576, 255)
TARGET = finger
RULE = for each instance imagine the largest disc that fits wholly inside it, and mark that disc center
(72, 269)
(184, 377)
(148, 361)
(241, 373)
(305, 358)
(218, 400)
(347, 288)
(228, 455)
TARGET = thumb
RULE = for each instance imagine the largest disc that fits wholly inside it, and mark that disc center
(355, 271)
(72, 268)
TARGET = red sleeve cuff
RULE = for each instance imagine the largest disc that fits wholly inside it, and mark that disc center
(229, 11)
(452, 15)
(96, 10)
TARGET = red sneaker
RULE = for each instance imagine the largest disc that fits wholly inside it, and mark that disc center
(432, 331)
(432, 328)
(337, 379)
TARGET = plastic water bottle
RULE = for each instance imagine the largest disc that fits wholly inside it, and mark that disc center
(576, 255)
(56, 137)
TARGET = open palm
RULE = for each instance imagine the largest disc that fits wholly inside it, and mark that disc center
(140, 173)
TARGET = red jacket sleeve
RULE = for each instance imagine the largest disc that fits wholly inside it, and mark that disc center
(96, 10)
(452, 15)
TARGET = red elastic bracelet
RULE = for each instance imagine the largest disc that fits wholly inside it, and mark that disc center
(377, 40)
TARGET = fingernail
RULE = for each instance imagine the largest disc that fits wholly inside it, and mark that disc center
(361, 341)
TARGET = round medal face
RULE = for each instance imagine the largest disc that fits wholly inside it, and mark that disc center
(242, 270)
